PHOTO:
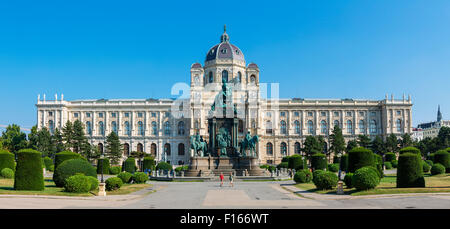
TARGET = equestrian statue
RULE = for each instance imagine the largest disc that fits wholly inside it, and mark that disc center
(198, 145)
(249, 143)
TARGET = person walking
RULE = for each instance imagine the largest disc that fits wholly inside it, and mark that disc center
(231, 179)
(221, 179)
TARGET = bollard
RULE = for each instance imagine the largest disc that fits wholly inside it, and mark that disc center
(182, 173)
(101, 189)
(340, 188)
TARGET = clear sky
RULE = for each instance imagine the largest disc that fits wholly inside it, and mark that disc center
(139, 49)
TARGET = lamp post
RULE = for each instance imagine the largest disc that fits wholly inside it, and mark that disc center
(102, 185)
(102, 157)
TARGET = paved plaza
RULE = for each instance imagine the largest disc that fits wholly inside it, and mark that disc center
(244, 195)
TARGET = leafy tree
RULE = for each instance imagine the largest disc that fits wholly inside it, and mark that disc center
(33, 138)
(312, 145)
(377, 145)
(337, 141)
(363, 141)
(138, 155)
(67, 134)
(80, 141)
(58, 141)
(406, 140)
(321, 141)
(350, 145)
(113, 148)
(14, 139)
(443, 138)
(392, 143)
(90, 152)
(44, 142)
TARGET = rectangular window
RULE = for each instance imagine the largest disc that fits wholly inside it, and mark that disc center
(127, 115)
(75, 115)
(310, 113)
(296, 114)
(167, 114)
(268, 114)
(399, 112)
(349, 113)
(372, 113)
(100, 115)
(153, 114)
(50, 113)
(88, 115)
(361, 113)
(323, 113)
(140, 115)
(113, 115)
(282, 114)
(336, 114)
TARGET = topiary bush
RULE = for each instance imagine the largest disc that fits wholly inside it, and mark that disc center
(125, 177)
(65, 155)
(48, 162)
(336, 160)
(388, 165)
(29, 171)
(129, 165)
(295, 162)
(114, 170)
(285, 159)
(344, 162)
(410, 171)
(283, 165)
(437, 169)
(113, 183)
(410, 149)
(365, 178)
(390, 156)
(430, 162)
(105, 166)
(443, 157)
(163, 166)
(149, 163)
(333, 167)
(394, 164)
(425, 167)
(71, 167)
(93, 181)
(325, 180)
(7, 160)
(360, 157)
(348, 180)
(318, 161)
(7, 173)
(430, 157)
(303, 176)
(77, 183)
(140, 177)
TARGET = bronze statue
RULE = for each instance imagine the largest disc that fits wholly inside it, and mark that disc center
(200, 147)
(249, 143)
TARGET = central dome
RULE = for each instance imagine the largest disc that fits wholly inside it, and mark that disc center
(224, 50)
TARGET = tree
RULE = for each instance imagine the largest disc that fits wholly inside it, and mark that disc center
(312, 145)
(337, 141)
(139, 156)
(80, 141)
(44, 142)
(392, 143)
(58, 141)
(350, 145)
(113, 148)
(377, 145)
(33, 138)
(67, 134)
(406, 140)
(363, 141)
(14, 139)
(443, 138)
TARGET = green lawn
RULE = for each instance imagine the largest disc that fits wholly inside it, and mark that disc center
(7, 187)
(438, 183)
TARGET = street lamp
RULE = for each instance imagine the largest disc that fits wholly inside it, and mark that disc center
(102, 157)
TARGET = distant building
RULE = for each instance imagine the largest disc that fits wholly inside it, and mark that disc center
(417, 134)
(431, 129)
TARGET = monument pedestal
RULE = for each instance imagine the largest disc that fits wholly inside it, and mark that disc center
(213, 166)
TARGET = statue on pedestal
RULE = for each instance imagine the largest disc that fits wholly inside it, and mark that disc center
(249, 143)
(223, 141)
(200, 147)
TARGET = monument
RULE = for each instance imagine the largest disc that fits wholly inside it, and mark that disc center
(224, 153)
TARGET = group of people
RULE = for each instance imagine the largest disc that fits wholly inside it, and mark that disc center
(231, 177)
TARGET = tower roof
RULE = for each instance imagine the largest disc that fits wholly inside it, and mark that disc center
(224, 50)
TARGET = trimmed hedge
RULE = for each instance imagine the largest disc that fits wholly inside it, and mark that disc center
(295, 162)
(285, 159)
(425, 167)
(164, 166)
(129, 165)
(114, 170)
(336, 160)
(149, 163)
(318, 161)
(333, 167)
(48, 163)
(125, 177)
(360, 157)
(394, 164)
(388, 165)
(7, 160)
(410, 149)
(140, 177)
(431, 157)
(344, 162)
(93, 181)
(283, 165)
(29, 171)
(348, 180)
(443, 157)
(410, 171)
(71, 167)
(113, 183)
(105, 166)
(303, 176)
(430, 162)
(64, 156)
(390, 156)
(379, 165)
(325, 180)
(365, 178)
(7, 173)
(77, 183)
(181, 168)
(437, 169)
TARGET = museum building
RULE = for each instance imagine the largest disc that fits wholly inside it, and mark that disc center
(162, 127)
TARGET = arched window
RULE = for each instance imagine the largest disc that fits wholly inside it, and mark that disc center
(167, 128)
(349, 127)
(362, 126)
(140, 147)
(88, 128)
(269, 149)
(181, 128)
(225, 75)
(153, 150)
(126, 149)
(239, 77)
(100, 147)
(297, 148)
(167, 149)
(310, 126)
(283, 149)
(141, 128)
(297, 126)
(253, 124)
(373, 126)
(211, 77)
(114, 126)
(154, 128)
(283, 127)
(398, 124)
(323, 127)
(51, 126)
(127, 128)
(252, 79)
(101, 128)
(181, 149)
(268, 127)
(336, 123)
(241, 126)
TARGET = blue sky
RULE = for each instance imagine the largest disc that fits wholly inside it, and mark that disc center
(139, 49)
